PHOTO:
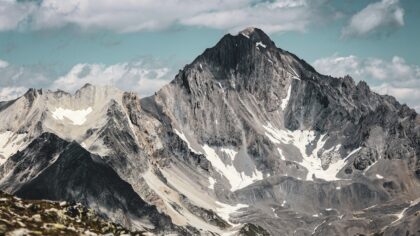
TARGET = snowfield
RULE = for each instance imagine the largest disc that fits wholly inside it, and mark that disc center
(78, 117)
(312, 162)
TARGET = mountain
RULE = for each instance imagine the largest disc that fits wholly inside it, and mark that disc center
(247, 139)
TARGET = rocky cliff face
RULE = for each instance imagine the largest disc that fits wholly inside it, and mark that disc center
(248, 138)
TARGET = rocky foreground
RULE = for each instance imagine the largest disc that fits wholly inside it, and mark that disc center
(35, 217)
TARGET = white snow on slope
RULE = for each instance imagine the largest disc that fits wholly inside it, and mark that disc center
(78, 117)
(379, 176)
(10, 143)
(281, 154)
(285, 101)
(260, 44)
(294, 74)
(302, 138)
(212, 181)
(230, 152)
(225, 210)
(236, 179)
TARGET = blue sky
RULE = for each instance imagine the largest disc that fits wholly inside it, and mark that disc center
(140, 45)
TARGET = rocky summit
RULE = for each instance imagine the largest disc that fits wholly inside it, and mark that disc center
(248, 139)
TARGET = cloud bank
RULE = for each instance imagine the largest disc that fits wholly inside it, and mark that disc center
(140, 15)
(395, 77)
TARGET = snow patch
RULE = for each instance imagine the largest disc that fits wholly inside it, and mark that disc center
(283, 204)
(220, 86)
(285, 100)
(312, 162)
(260, 44)
(237, 180)
(294, 74)
(78, 117)
(212, 181)
(281, 154)
(379, 176)
(245, 35)
(230, 152)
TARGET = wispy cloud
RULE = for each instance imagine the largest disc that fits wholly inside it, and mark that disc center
(130, 15)
(272, 16)
(395, 77)
(24, 76)
(376, 18)
(10, 93)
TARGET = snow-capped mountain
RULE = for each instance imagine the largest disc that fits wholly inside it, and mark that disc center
(248, 138)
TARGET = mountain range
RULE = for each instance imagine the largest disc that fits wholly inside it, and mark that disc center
(248, 139)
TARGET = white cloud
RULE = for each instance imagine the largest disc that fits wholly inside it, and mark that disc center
(12, 14)
(10, 93)
(395, 77)
(139, 15)
(137, 77)
(270, 16)
(3, 64)
(377, 17)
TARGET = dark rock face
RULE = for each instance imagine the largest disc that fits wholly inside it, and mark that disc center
(248, 139)
(365, 158)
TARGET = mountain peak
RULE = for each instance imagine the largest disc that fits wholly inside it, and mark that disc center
(257, 35)
(251, 31)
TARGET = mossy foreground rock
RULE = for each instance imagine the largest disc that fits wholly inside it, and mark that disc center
(33, 217)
